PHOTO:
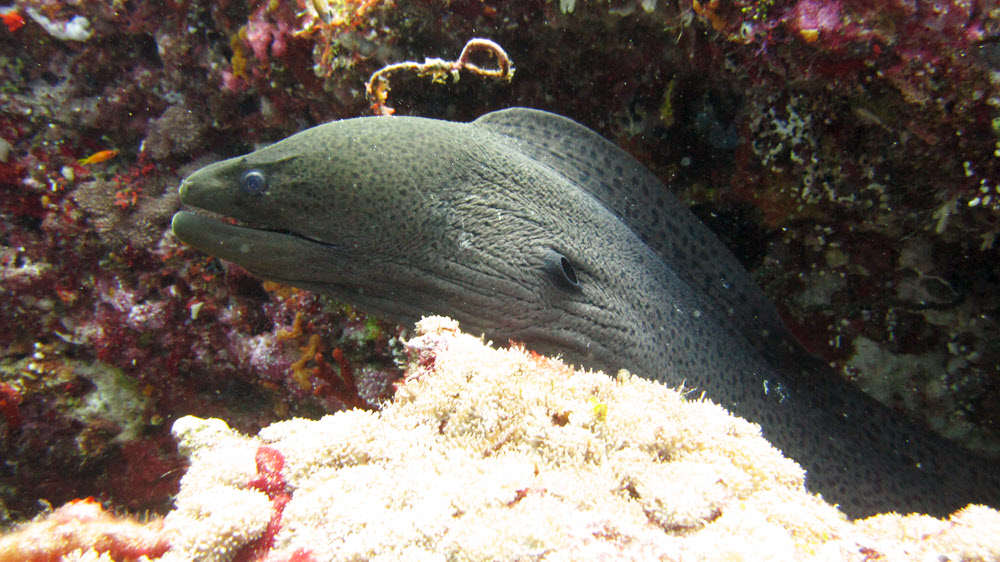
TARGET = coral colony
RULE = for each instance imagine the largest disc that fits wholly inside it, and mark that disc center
(848, 151)
(498, 454)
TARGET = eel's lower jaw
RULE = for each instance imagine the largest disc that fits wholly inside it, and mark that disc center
(206, 232)
(270, 254)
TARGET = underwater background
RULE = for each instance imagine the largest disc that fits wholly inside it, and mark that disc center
(848, 152)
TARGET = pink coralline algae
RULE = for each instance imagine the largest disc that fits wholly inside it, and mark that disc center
(269, 479)
(819, 15)
(268, 35)
(10, 401)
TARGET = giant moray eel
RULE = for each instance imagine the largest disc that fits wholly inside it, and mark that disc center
(527, 226)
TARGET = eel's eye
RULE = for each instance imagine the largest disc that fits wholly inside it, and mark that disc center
(561, 269)
(253, 182)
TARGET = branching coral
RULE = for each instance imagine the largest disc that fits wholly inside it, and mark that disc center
(341, 386)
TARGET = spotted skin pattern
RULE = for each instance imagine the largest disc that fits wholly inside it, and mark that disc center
(526, 226)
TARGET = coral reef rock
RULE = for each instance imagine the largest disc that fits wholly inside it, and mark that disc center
(504, 455)
(489, 454)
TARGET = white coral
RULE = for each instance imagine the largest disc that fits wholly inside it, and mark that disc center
(76, 29)
(496, 454)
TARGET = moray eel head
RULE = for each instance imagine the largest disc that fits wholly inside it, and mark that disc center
(403, 217)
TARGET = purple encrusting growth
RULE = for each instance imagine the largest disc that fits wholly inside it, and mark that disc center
(866, 150)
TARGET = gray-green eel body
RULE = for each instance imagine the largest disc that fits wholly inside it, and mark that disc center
(528, 227)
